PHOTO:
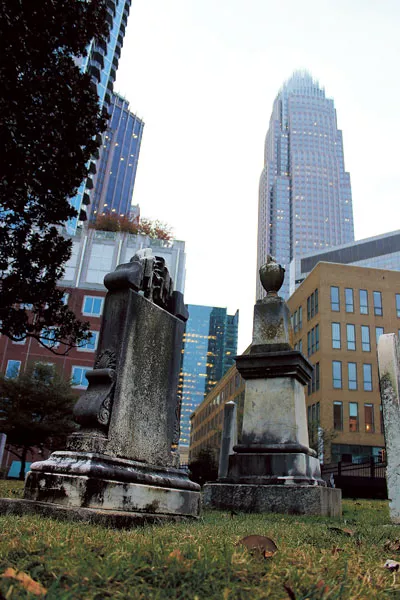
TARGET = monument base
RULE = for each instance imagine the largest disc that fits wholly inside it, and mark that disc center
(105, 518)
(288, 499)
(125, 490)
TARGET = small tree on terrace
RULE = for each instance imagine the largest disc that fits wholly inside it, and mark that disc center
(35, 410)
(49, 121)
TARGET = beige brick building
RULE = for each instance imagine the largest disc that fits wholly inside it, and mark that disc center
(338, 313)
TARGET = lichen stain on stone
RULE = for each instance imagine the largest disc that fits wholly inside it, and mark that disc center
(152, 507)
(93, 492)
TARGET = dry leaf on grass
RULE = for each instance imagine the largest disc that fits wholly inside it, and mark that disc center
(392, 565)
(26, 581)
(335, 551)
(259, 544)
(348, 532)
(392, 546)
(178, 557)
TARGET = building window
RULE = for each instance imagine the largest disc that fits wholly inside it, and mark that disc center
(381, 419)
(91, 344)
(336, 336)
(294, 322)
(369, 418)
(378, 311)
(13, 368)
(21, 340)
(317, 376)
(47, 338)
(338, 416)
(353, 416)
(363, 302)
(92, 306)
(335, 300)
(349, 300)
(337, 374)
(352, 375)
(367, 373)
(64, 299)
(300, 320)
(365, 339)
(313, 340)
(398, 305)
(351, 337)
(300, 345)
(378, 332)
(79, 377)
(312, 305)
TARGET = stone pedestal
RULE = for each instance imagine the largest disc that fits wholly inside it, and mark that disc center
(389, 378)
(124, 460)
(273, 469)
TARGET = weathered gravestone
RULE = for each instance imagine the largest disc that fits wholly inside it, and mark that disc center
(122, 466)
(272, 468)
(389, 379)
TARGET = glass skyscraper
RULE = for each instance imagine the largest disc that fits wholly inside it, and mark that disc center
(305, 193)
(101, 63)
(117, 165)
(209, 347)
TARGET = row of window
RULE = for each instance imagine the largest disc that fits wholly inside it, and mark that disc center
(47, 339)
(313, 385)
(352, 381)
(92, 306)
(312, 305)
(354, 422)
(78, 374)
(351, 336)
(363, 301)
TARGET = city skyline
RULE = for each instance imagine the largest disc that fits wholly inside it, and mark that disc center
(205, 77)
(305, 199)
(209, 348)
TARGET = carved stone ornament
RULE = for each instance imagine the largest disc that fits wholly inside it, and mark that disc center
(106, 360)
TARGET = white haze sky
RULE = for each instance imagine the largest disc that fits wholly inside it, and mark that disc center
(203, 75)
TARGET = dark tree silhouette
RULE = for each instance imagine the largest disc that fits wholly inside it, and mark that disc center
(35, 410)
(49, 123)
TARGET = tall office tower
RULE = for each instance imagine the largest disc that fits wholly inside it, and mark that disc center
(101, 62)
(117, 164)
(305, 194)
(209, 347)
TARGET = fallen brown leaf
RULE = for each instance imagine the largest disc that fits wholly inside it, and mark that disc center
(178, 557)
(26, 581)
(336, 551)
(392, 546)
(259, 544)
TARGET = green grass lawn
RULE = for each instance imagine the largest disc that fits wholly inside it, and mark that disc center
(200, 560)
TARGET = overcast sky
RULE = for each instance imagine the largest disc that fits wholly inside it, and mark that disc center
(203, 75)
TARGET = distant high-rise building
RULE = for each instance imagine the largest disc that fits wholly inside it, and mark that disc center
(305, 200)
(209, 347)
(101, 62)
(117, 164)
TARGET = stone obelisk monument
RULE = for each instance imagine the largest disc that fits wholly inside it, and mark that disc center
(122, 466)
(273, 468)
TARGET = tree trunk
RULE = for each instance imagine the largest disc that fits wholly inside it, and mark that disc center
(23, 463)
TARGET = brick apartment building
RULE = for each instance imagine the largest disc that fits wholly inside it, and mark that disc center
(338, 313)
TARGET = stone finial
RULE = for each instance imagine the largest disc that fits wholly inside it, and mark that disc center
(272, 275)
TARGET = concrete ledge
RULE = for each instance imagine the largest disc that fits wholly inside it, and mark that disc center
(287, 499)
(105, 518)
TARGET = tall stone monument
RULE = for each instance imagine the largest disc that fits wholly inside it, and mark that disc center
(272, 468)
(122, 466)
(389, 379)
